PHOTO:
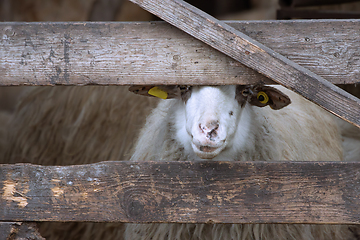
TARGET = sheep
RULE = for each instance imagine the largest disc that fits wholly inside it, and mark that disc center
(67, 125)
(232, 123)
(78, 125)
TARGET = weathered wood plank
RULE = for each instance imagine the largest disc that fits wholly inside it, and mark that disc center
(256, 56)
(138, 53)
(227, 192)
(19, 231)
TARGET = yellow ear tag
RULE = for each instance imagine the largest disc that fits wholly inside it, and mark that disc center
(262, 97)
(157, 92)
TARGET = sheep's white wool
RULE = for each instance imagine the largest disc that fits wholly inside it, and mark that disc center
(300, 132)
(350, 140)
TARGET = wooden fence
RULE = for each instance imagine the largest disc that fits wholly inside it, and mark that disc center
(188, 192)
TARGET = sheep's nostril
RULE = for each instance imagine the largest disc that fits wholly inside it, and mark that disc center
(212, 134)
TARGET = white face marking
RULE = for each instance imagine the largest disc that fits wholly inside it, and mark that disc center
(209, 122)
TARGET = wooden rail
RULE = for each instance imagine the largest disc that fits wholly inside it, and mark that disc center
(138, 53)
(187, 192)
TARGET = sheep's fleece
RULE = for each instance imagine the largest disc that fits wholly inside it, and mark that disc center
(301, 131)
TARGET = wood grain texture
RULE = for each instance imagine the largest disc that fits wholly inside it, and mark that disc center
(187, 192)
(256, 56)
(139, 53)
(19, 231)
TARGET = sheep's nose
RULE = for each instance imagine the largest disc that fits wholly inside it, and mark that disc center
(209, 129)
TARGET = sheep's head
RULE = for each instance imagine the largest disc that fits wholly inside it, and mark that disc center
(211, 118)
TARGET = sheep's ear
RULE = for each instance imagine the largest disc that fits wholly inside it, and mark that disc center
(163, 92)
(265, 95)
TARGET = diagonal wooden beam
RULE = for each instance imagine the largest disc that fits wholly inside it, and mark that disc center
(255, 55)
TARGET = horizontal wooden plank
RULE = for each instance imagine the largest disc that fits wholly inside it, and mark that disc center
(138, 53)
(19, 231)
(187, 192)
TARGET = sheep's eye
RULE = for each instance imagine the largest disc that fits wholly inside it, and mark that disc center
(263, 97)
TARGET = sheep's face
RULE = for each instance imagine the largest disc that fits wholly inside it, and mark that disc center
(211, 114)
(211, 120)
